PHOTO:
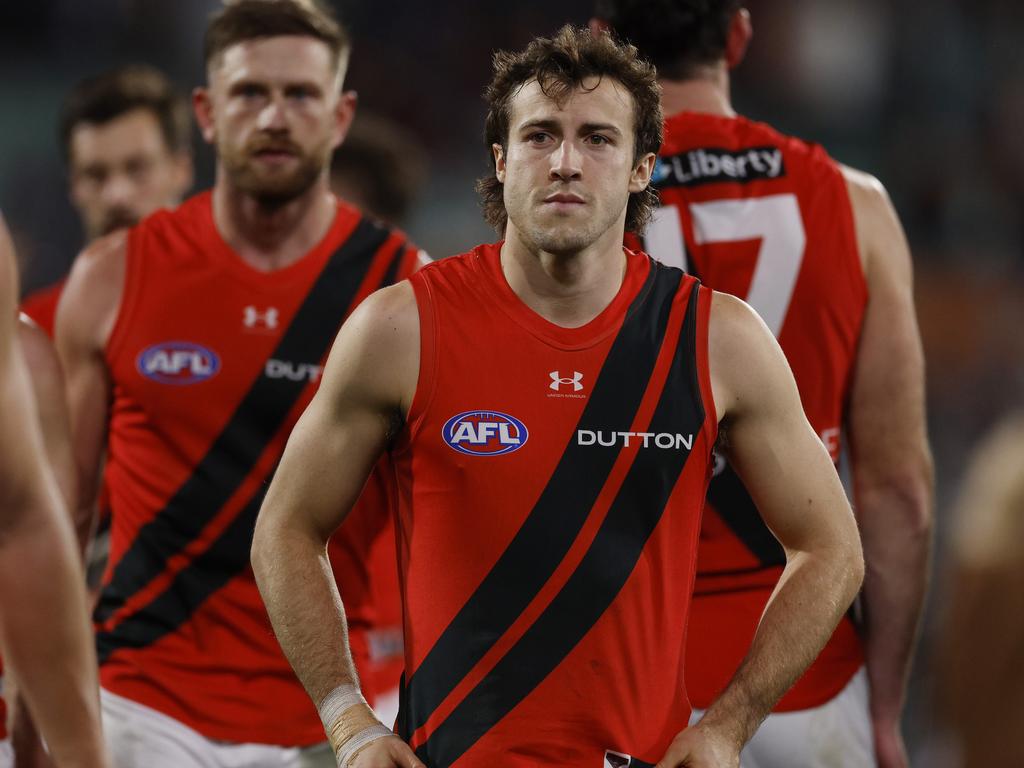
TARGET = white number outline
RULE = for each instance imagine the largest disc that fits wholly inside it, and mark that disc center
(774, 219)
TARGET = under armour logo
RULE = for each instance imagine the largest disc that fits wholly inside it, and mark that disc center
(252, 317)
(557, 380)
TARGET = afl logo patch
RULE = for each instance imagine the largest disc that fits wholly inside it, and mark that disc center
(178, 362)
(484, 433)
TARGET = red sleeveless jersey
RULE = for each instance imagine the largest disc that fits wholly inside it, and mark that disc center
(212, 362)
(765, 217)
(550, 485)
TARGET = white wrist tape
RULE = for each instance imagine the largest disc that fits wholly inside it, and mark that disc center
(360, 740)
(336, 702)
(333, 707)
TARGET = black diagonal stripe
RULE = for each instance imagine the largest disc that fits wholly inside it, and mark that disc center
(634, 763)
(391, 276)
(593, 586)
(551, 527)
(255, 421)
(224, 560)
(730, 501)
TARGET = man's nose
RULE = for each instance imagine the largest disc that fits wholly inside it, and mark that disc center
(565, 162)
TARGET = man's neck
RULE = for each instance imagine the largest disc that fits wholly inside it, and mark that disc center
(569, 290)
(272, 237)
(707, 92)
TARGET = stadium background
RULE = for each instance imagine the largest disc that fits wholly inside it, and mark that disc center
(926, 94)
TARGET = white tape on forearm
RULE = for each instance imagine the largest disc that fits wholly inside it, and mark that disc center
(336, 702)
(360, 740)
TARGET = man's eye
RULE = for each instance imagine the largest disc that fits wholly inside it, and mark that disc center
(538, 138)
(599, 139)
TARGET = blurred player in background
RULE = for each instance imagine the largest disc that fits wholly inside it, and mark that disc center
(982, 640)
(43, 618)
(381, 169)
(126, 138)
(817, 249)
(205, 329)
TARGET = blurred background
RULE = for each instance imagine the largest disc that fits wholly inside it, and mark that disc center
(928, 95)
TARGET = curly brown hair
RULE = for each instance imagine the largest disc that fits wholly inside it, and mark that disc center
(560, 65)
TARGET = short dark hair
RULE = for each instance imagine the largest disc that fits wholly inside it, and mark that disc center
(560, 65)
(676, 36)
(241, 20)
(104, 97)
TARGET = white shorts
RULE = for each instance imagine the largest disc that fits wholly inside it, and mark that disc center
(6, 754)
(835, 735)
(139, 736)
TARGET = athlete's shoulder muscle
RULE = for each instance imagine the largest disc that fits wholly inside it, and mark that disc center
(92, 297)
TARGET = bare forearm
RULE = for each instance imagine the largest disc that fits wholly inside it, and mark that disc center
(298, 588)
(811, 597)
(895, 522)
(47, 640)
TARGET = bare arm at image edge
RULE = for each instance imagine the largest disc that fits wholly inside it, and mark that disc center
(51, 409)
(893, 476)
(798, 493)
(45, 630)
(366, 387)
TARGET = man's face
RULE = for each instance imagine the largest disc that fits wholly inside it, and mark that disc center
(275, 113)
(568, 171)
(122, 170)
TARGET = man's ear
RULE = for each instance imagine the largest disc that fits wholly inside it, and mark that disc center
(641, 175)
(599, 27)
(202, 106)
(344, 114)
(738, 38)
(499, 161)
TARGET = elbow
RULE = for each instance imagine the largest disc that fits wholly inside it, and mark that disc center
(899, 500)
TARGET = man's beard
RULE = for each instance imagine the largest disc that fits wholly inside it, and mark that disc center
(273, 190)
(117, 218)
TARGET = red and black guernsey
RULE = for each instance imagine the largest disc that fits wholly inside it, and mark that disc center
(212, 361)
(550, 485)
(765, 217)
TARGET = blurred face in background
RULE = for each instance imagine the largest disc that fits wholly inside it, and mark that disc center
(122, 170)
(275, 112)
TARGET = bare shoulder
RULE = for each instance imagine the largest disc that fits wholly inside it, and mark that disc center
(744, 356)
(375, 358)
(880, 236)
(92, 295)
(387, 316)
(37, 350)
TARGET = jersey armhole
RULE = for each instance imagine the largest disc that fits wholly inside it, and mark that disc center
(848, 226)
(710, 428)
(427, 376)
(130, 297)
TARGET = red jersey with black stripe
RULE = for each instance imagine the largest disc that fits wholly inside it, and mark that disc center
(765, 217)
(550, 484)
(212, 362)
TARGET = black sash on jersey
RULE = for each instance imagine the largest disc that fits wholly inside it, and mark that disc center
(228, 462)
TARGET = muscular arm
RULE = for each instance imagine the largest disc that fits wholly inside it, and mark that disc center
(367, 385)
(794, 484)
(891, 461)
(52, 416)
(45, 630)
(85, 319)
